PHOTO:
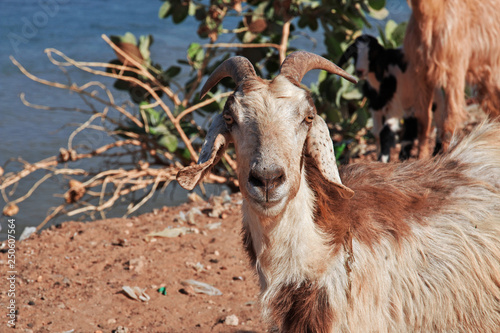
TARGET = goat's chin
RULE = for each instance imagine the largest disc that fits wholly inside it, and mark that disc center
(268, 209)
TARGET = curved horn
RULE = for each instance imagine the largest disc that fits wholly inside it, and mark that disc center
(238, 68)
(297, 64)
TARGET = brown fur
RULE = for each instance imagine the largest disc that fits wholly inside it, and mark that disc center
(386, 202)
(449, 43)
(248, 246)
(302, 308)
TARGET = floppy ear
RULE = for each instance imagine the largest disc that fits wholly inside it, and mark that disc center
(319, 146)
(212, 150)
(350, 52)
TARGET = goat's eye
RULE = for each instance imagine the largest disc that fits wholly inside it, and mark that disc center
(309, 119)
(228, 118)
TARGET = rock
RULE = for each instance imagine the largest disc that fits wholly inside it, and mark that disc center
(231, 320)
(137, 264)
(120, 329)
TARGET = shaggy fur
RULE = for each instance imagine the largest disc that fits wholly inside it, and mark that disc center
(416, 249)
(453, 42)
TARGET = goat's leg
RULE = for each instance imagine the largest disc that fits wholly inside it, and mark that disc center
(489, 93)
(378, 123)
(424, 119)
(410, 133)
(454, 114)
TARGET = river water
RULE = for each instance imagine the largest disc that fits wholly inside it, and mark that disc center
(74, 27)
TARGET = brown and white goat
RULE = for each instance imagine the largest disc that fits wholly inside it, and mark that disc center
(449, 43)
(411, 247)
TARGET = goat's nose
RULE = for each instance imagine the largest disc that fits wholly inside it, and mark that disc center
(267, 179)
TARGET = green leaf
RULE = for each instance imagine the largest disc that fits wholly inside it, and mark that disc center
(193, 49)
(144, 45)
(339, 150)
(180, 13)
(354, 94)
(128, 38)
(159, 130)
(172, 71)
(169, 141)
(165, 9)
(376, 4)
(398, 35)
(192, 9)
(379, 14)
(186, 154)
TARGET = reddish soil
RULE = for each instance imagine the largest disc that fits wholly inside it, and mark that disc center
(70, 277)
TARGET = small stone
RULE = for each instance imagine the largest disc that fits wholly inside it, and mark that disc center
(231, 320)
(31, 303)
(66, 281)
(111, 321)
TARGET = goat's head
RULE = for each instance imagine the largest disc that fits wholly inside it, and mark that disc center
(365, 51)
(272, 124)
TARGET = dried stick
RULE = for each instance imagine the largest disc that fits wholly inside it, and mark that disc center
(76, 89)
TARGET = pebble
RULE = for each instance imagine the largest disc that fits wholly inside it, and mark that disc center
(231, 320)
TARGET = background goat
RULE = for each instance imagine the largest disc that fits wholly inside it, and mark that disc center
(448, 43)
(391, 95)
(394, 248)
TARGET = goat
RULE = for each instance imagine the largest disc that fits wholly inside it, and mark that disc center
(388, 88)
(449, 43)
(399, 247)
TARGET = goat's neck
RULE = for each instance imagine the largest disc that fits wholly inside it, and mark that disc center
(291, 248)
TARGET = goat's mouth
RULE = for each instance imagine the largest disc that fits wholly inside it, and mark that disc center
(265, 197)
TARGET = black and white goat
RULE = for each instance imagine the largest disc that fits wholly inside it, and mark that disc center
(399, 247)
(388, 88)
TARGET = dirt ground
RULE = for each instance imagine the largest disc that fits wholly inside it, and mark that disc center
(70, 277)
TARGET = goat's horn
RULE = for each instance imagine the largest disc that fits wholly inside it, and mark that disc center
(238, 68)
(297, 64)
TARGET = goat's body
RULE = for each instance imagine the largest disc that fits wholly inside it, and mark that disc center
(450, 43)
(417, 248)
(412, 247)
(390, 90)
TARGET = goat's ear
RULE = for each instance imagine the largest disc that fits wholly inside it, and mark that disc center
(212, 150)
(319, 146)
(350, 52)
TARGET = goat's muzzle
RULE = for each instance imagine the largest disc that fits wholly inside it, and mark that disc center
(265, 183)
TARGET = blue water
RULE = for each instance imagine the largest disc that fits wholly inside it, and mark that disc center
(74, 27)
